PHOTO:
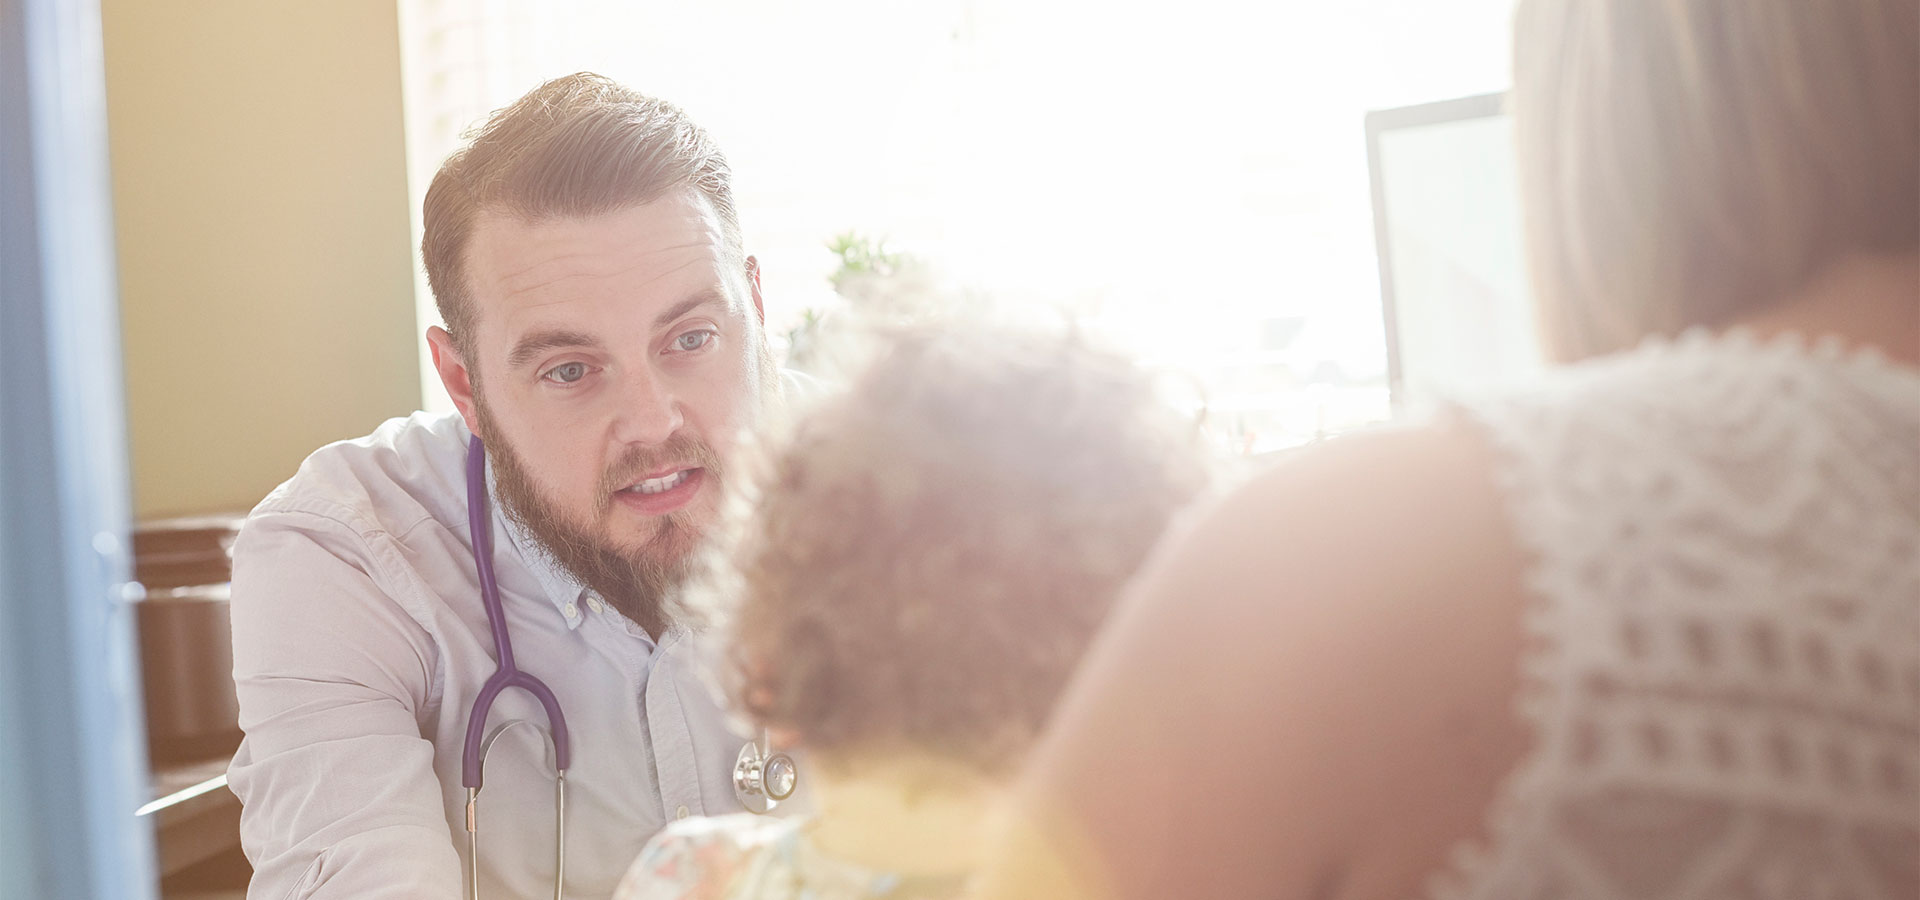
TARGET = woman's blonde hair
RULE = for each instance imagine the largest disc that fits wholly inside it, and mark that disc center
(1687, 161)
(928, 553)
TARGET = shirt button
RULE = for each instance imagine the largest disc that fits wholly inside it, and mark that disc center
(572, 610)
(680, 813)
(594, 604)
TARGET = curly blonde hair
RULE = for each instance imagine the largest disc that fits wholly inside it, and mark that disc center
(932, 548)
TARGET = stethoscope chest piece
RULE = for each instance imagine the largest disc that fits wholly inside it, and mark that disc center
(762, 779)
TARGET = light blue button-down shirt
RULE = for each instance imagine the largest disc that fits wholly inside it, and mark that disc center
(359, 645)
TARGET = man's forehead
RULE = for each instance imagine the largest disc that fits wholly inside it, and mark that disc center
(516, 260)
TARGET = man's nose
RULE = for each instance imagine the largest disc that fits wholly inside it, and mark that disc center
(648, 411)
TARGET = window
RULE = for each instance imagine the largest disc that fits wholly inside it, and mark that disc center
(1188, 177)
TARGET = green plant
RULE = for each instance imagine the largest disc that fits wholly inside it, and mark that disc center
(873, 283)
(861, 258)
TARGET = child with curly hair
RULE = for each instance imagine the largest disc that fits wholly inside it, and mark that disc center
(930, 552)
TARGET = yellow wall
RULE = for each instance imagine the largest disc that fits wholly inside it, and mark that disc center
(259, 176)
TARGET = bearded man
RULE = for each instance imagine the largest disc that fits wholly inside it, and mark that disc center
(604, 346)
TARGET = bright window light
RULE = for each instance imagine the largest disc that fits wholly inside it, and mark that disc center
(1189, 178)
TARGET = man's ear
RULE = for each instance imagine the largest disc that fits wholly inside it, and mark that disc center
(454, 374)
(753, 285)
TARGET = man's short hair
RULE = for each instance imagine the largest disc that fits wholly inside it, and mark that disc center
(575, 146)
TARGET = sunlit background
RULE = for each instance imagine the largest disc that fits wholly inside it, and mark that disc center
(1188, 178)
(1192, 179)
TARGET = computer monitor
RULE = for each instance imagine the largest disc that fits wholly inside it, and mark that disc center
(1446, 218)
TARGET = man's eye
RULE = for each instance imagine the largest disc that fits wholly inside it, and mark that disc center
(567, 373)
(692, 340)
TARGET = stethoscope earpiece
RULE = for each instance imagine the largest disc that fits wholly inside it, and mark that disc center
(762, 779)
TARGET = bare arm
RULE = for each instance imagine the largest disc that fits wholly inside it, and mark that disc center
(1308, 694)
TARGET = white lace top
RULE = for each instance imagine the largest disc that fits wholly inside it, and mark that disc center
(1725, 685)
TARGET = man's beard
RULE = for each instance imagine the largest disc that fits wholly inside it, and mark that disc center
(640, 582)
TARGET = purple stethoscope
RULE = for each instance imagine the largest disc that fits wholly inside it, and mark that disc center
(473, 754)
(761, 778)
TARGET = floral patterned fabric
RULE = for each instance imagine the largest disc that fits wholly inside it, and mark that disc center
(749, 857)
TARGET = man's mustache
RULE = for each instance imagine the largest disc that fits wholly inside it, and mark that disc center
(683, 450)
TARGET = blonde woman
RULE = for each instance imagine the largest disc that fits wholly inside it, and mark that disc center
(924, 561)
(1650, 630)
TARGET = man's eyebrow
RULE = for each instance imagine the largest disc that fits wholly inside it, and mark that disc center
(540, 342)
(710, 296)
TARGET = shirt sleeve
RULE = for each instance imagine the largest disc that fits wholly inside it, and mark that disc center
(337, 783)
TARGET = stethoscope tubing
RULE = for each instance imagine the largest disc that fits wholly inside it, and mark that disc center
(506, 673)
(750, 782)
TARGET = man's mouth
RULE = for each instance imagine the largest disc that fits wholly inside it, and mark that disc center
(659, 484)
(663, 492)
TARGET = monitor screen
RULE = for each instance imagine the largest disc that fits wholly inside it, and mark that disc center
(1453, 281)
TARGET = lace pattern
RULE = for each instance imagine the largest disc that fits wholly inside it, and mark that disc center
(1724, 680)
